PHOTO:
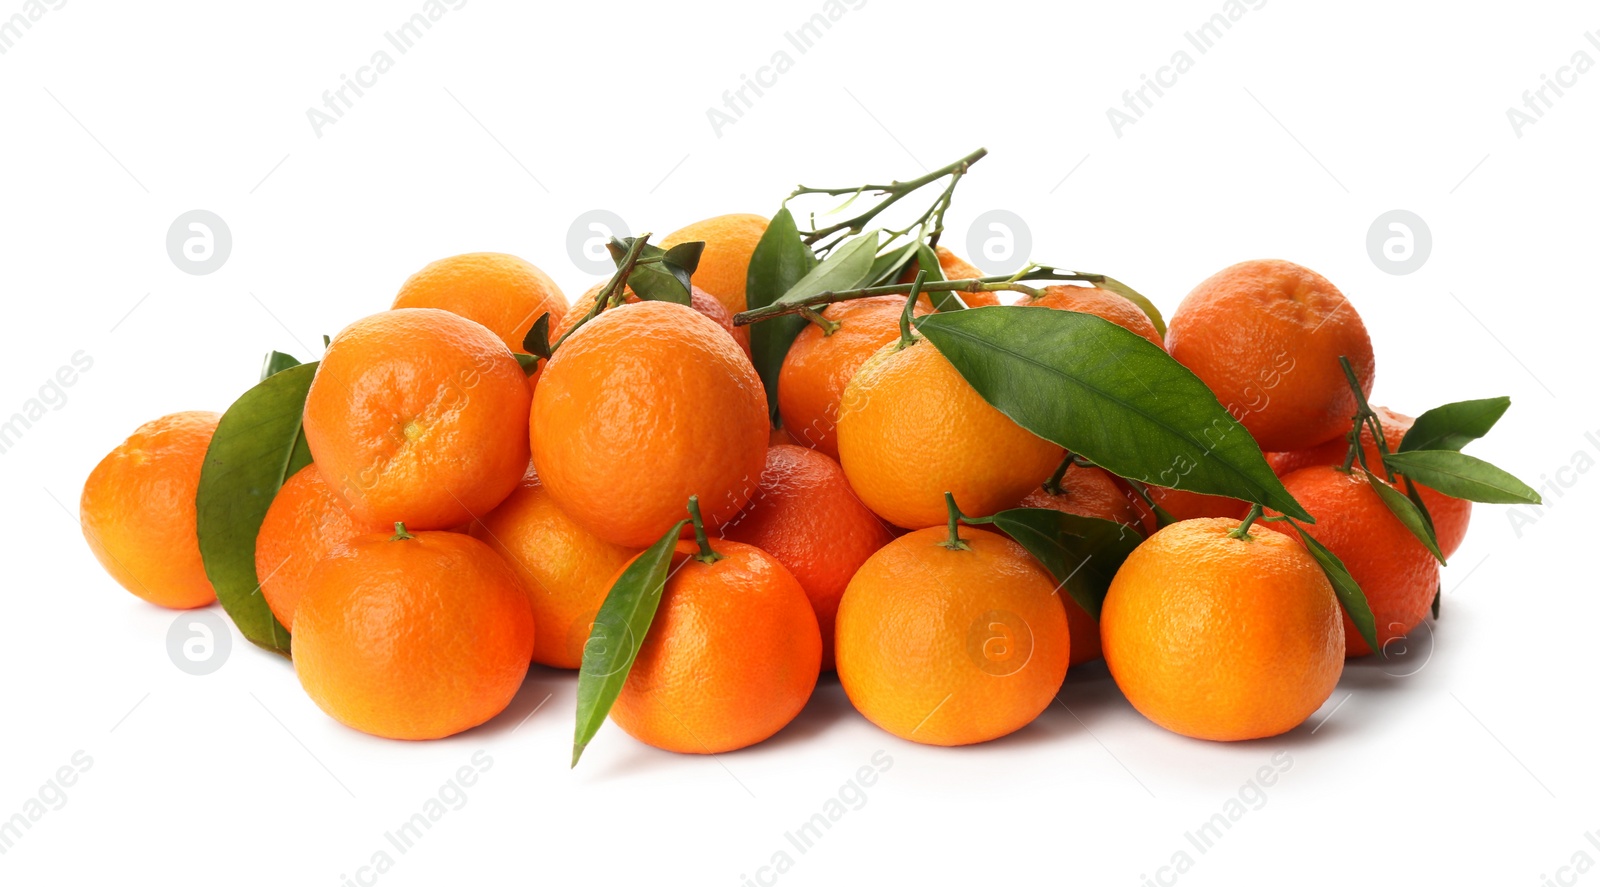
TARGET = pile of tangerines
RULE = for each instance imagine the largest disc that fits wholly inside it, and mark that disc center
(485, 476)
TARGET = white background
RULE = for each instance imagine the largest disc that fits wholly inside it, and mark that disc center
(505, 123)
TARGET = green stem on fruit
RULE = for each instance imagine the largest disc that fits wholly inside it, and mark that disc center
(954, 542)
(707, 555)
(829, 327)
(400, 533)
(1243, 530)
(1053, 485)
(1364, 416)
(910, 307)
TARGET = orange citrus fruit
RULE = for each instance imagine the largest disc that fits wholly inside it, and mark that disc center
(731, 657)
(138, 511)
(1102, 303)
(1223, 638)
(820, 364)
(1450, 515)
(413, 636)
(565, 570)
(306, 522)
(910, 429)
(418, 415)
(1266, 336)
(805, 514)
(725, 262)
(643, 407)
(502, 292)
(951, 646)
(1396, 573)
(1086, 491)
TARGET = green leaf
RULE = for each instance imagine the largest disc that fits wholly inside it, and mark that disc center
(1082, 553)
(781, 258)
(1350, 595)
(537, 341)
(654, 277)
(685, 256)
(1454, 425)
(848, 266)
(1462, 476)
(928, 260)
(1133, 295)
(1407, 513)
(257, 446)
(1108, 395)
(277, 362)
(618, 631)
(887, 266)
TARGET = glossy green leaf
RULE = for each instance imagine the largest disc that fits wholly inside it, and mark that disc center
(1407, 513)
(537, 341)
(618, 631)
(257, 446)
(1454, 425)
(928, 260)
(1350, 595)
(848, 266)
(781, 258)
(888, 265)
(1108, 395)
(685, 255)
(654, 277)
(276, 362)
(1463, 476)
(1082, 553)
(1148, 307)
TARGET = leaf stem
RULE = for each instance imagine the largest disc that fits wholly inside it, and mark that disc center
(707, 555)
(996, 283)
(614, 288)
(829, 327)
(1364, 416)
(400, 533)
(829, 236)
(954, 542)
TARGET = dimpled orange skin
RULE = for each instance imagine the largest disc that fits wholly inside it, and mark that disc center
(805, 515)
(1219, 638)
(306, 522)
(1101, 303)
(1266, 336)
(138, 511)
(643, 407)
(725, 262)
(500, 291)
(952, 267)
(819, 365)
(1087, 492)
(731, 657)
(1396, 573)
(699, 300)
(951, 647)
(417, 638)
(565, 570)
(418, 415)
(910, 429)
(1450, 515)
